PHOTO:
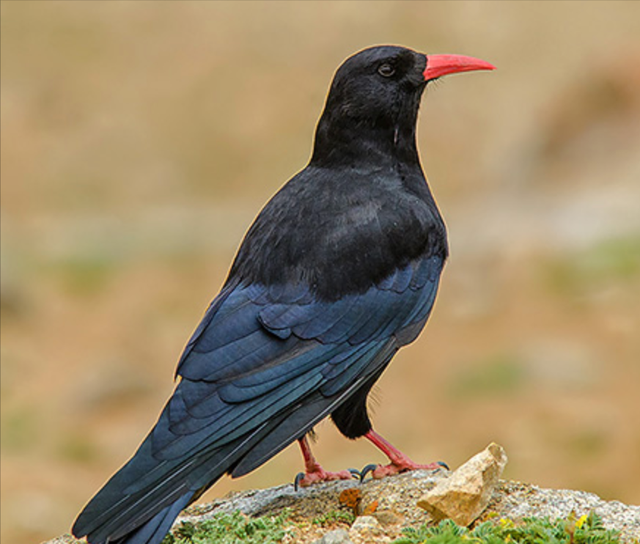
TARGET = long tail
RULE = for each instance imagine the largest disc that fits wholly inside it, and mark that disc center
(154, 530)
(141, 501)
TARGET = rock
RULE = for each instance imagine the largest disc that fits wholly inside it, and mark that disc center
(466, 493)
(387, 518)
(366, 529)
(397, 510)
(339, 536)
(517, 500)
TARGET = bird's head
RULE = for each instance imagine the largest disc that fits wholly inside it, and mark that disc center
(378, 91)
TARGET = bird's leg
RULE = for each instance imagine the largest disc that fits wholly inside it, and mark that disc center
(314, 473)
(399, 461)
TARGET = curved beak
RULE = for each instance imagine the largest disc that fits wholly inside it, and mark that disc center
(441, 65)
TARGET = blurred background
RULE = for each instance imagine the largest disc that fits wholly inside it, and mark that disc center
(140, 139)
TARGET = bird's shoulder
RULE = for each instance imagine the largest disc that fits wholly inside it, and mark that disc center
(340, 231)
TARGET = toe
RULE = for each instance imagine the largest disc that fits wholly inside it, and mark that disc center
(298, 479)
(366, 470)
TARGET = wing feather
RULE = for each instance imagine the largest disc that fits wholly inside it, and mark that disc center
(263, 367)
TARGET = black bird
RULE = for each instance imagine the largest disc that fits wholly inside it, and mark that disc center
(338, 271)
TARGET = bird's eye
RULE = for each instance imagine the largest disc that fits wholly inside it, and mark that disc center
(386, 70)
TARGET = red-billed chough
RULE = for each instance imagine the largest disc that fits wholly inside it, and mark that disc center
(339, 270)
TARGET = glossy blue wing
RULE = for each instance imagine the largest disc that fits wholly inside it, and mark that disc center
(263, 349)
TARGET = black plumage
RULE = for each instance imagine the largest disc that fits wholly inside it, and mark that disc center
(339, 270)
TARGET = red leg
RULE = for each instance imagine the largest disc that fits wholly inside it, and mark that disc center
(399, 461)
(314, 473)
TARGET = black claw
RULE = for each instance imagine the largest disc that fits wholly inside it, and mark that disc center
(443, 464)
(296, 483)
(366, 470)
(355, 473)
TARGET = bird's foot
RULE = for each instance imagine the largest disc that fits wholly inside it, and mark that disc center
(318, 474)
(314, 473)
(399, 461)
(398, 467)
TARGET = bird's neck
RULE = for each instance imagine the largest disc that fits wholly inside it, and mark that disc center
(367, 143)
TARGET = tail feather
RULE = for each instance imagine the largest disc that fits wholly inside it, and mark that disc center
(114, 517)
(154, 530)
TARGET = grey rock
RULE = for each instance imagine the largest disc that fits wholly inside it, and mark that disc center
(517, 500)
(397, 497)
(339, 536)
(367, 529)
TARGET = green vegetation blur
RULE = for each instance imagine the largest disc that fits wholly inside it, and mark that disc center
(139, 140)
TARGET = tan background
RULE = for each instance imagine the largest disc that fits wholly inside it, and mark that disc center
(139, 140)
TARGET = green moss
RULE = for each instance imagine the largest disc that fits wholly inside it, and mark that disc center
(584, 530)
(334, 517)
(231, 529)
(237, 528)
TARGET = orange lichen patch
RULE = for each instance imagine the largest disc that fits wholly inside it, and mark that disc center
(370, 508)
(351, 498)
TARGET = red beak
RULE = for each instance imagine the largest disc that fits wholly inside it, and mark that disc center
(441, 65)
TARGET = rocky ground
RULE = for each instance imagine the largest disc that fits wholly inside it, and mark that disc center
(316, 510)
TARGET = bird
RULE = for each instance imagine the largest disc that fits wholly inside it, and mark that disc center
(338, 271)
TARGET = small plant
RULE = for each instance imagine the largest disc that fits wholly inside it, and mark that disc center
(233, 528)
(584, 530)
(334, 517)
